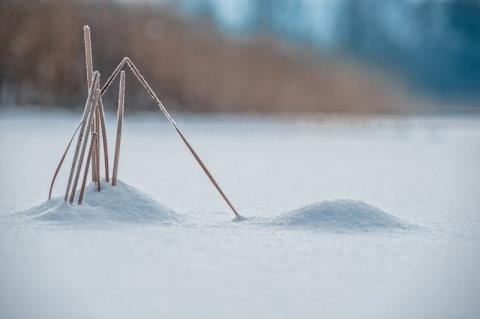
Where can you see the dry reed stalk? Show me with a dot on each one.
(164, 110)
(88, 54)
(96, 150)
(114, 75)
(104, 139)
(61, 160)
(121, 102)
(84, 145)
(92, 130)
(97, 144)
(87, 166)
(86, 114)
(89, 67)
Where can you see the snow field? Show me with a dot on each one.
(412, 248)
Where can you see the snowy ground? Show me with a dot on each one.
(405, 242)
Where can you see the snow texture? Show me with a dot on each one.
(341, 215)
(120, 203)
(124, 254)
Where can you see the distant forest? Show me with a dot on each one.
(191, 65)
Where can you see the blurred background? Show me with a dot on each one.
(248, 56)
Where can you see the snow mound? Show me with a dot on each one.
(120, 203)
(341, 215)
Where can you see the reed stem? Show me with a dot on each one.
(104, 139)
(86, 114)
(88, 54)
(114, 75)
(97, 144)
(87, 166)
(164, 110)
(82, 154)
(121, 102)
(94, 162)
(61, 161)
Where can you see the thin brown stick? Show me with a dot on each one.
(77, 147)
(86, 114)
(94, 155)
(164, 110)
(82, 154)
(113, 76)
(104, 139)
(97, 145)
(89, 67)
(88, 54)
(96, 150)
(80, 162)
(61, 160)
(87, 166)
(121, 102)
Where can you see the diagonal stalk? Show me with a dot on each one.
(113, 76)
(164, 110)
(62, 159)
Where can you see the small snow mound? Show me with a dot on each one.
(120, 203)
(341, 215)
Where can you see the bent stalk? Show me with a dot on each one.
(164, 110)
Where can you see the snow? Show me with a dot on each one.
(391, 228)
(341, 215)
(120, 203)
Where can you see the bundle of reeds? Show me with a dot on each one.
(92, 126)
